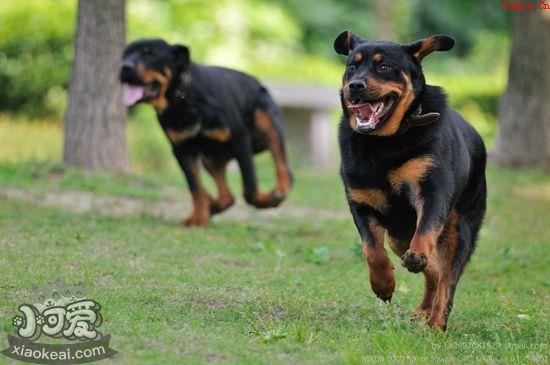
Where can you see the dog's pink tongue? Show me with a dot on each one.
(366, 110)
(132, 94)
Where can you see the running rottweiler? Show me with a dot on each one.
(212, 114)
(413, 169)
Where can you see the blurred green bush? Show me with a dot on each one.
(35, 55)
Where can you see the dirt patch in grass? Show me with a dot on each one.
(116, 206)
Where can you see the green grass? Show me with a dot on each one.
(278, 290)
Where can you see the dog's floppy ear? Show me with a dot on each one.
(346, 42)
(181, 54)
(424, 47)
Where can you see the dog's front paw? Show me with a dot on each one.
(277, 197)
(382, 282)
(437, 322)
(384, 291)
(414, 262)
(194, 220)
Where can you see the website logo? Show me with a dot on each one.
(59, 312)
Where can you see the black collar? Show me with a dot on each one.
(182, 85)
(417, 119)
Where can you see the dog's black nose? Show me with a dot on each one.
(357, 85)
(127, 73)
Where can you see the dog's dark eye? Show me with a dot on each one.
(383, 68)
(352, 68)
(146, 51)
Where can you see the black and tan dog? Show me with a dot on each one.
(413, 169)
(211, 114)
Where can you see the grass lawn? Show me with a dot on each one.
(283, 288)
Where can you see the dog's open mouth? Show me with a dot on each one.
(133, 94)
(371, 114)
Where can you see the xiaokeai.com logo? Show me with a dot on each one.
(59, 312)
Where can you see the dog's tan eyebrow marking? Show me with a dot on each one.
(358, 57)
(377, 57)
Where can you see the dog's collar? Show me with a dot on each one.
(418, 119)
(184, 81)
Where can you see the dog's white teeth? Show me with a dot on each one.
(369, 122)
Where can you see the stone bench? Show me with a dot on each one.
(310, 121)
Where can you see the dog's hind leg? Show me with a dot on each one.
(216, 168)
(440, 272)
(431, 278)
(243, 152)
(463, 231)
(454, 249)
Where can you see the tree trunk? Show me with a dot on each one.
(384, 20)
(524, 110)
(95, 134)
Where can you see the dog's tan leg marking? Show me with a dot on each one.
(200, 215)
(446, 250)
(225, 197)
(380, 267)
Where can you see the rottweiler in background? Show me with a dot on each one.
(211, 114)
(413, 169)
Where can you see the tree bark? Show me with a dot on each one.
(524, 110)
(95, 122)
(384, 20)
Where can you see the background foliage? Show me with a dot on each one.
(289, 40)
(283, 40)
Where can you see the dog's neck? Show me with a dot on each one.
(181, 86)
(417, 119)
(432, 97)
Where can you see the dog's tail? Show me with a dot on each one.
(274, 123)
(267, 104)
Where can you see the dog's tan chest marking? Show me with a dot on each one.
(178, 136)
(375, 198)
(218, 134)
(411, 172)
